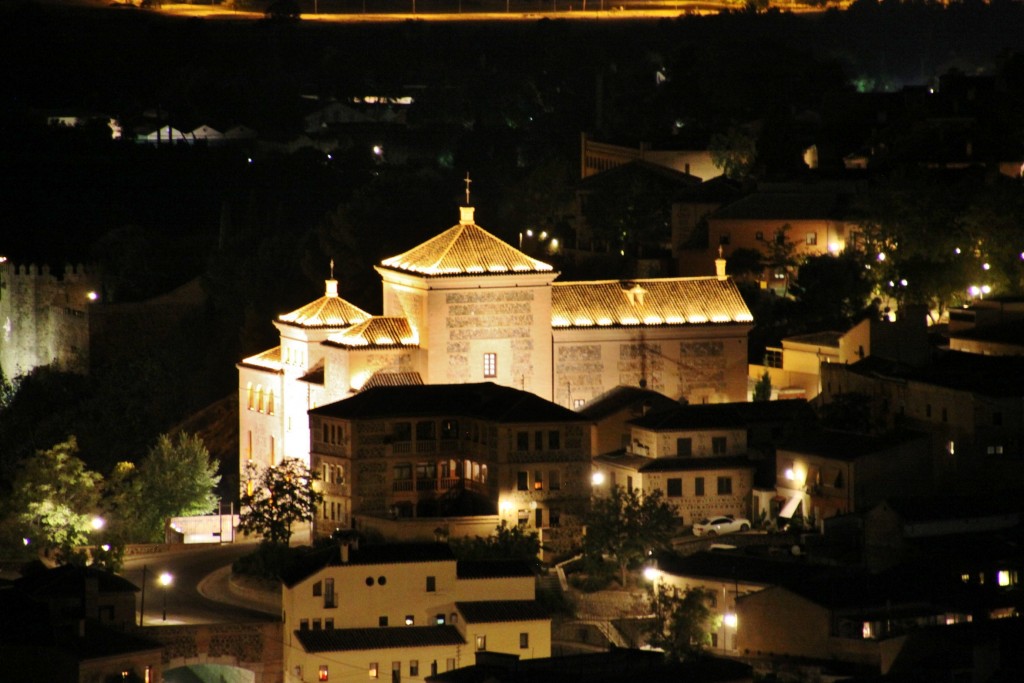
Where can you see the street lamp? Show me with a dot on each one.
(166, 579)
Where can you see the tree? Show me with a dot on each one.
(55, 499)
(275, 498)
(763, 388)
(682, 626)
(176, 478)
(832, 291)
(734, 152)
(627, 526)
(507, 543)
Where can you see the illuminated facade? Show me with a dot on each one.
(466, 307)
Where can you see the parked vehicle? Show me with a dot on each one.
(720, 525)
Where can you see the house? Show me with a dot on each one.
(970, 404)
(73, 624)
(466, 307)
(596, 157)
(726, 575)
(823, 473)
(428, 455)
(611, 412)
(405, 610)
(806, 220)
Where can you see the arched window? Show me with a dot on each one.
(248, 390)
(259, 397)
(270, 402)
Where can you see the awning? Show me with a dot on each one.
(791, 505)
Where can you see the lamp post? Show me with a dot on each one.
(142, 603)
(166, 579)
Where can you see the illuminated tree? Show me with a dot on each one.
(734, 152)
(627, 526)
(275, 498)
(176, 477)
(682, 625)
(763, 388)
(55, 499)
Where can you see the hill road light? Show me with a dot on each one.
(165, 580)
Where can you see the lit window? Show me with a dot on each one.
(490, 365)
(523, 517)
(248, 391)
(577, 403)
(259, 397)
(409, 620)
(270, 402)
(439, 619)
(323, 672)
(538, 481)
(1006, 577)
(373, 669)
(481, 643)
(812, 238)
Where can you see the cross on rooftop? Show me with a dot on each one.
(468, 181)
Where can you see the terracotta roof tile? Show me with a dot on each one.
(649, 302)
(330, 310)
(377, 331)
(465, 249)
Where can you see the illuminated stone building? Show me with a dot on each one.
(466, 307)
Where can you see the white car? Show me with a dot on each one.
(720, 525)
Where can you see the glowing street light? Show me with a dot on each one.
(166, 579)
(97, 523)
(597, 479)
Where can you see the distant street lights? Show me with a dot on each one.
(166, 579)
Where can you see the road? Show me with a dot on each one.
(185, 604)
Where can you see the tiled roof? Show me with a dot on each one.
(492, 569)
(648, 302)
(784, 205)
(393, 379)
(373, 554)
(829, 339)
(376, 332)
(846, 446)
(484, 400)
(269, 359)
(465, 249)
(784, 569)
(697, 416)
(621, 458)
(676, 464)
(343, 639)
(330, 310)
(493, 611)
(69, 580)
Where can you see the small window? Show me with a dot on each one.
(481, 643)
(381, 580)
(449, 664)
(522, 441)
(373, 670)
(318, 589)
(724, 486)
(538, 480)
(538, 441)
(811, 239)
(718, 445)
(410, 620)
(523, 517)
(675, 488)
(414, 667)
(524, 641)
(538, 518)
(490, 365)
(554, 440)
(554, 480)
(369, 580)
(453, 618)
(684, 447)
(578, 403)
(323, 673)
(431, 584)
(318, 625)
(303, 624)
(439, 619)
(382, 621)
(330, 599)
(698, 486)
(554, 517)
(522, 481)
(396, 672)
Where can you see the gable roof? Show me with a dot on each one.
(847, 446)
(654, 177)
(330, 310)
(786, 203)
(484, 400)
(647, 302)
(344, 639)
(465, 249)
(996, 376)
(374, 554)
(494, 611)
(71, 581)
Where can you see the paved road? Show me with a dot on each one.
(190, 566)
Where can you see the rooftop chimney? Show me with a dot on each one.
(720, 264)
(466, 215)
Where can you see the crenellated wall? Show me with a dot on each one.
(44, 317)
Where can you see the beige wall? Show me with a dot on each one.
(724, 602)
(777, 622)
(505, 637)
(703, 364)
(355, 665)
(692, 507)
(662, 444)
